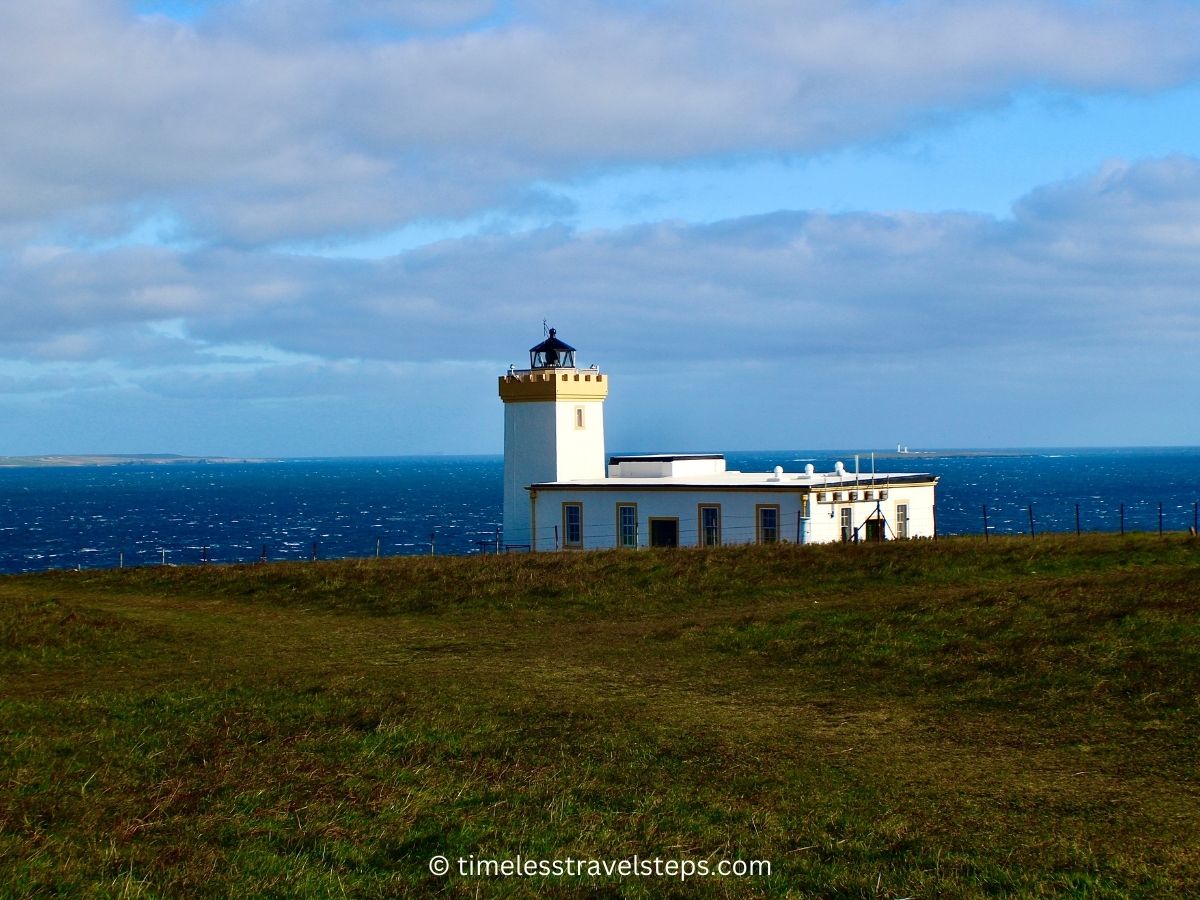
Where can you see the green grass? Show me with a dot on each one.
(1016, 718)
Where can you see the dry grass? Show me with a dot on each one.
(912, 719)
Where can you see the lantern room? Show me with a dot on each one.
(552, 354)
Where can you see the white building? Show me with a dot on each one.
(559, 493)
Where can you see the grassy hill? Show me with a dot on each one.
(916, 719)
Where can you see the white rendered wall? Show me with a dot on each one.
(541, 444)
(738, 514)
(666, 468)
(826, 528)
(600, 514)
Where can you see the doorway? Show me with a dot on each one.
(664, 532)
(874, 529)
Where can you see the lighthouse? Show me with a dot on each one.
(553, 429)
(560, 493)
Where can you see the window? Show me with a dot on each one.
(579, 417)
(901, 520)
(572, 524)
(627, 535)
(847, 523)
(768, 524)
(710, 524)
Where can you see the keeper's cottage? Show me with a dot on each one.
(561, 493)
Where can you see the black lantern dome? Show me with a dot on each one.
(551, 354)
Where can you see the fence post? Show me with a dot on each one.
(433, 543)
(314, 551)
(164, 556)
(497, 540)
(377, 540)
(1032, 528)
(935, 521)
(985, 524)
(263, 556)
(1076, 520)
(1122, 520)
(556, 537)
(121, 560)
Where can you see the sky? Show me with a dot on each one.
(325, 227)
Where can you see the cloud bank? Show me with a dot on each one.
(1081, 262)
(1086, 273)
(158, 178)
(268, 121)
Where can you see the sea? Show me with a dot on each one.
(86, 517)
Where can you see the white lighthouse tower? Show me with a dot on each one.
(553, 429)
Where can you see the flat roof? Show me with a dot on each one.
(663, 457)
(766, 481)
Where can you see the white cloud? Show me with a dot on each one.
(61, 382)
(1089, 263)
(255, 126)
(150, 170)
(289, 21)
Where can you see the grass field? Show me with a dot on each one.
(912, 719)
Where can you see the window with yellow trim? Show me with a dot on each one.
(626, 525)
(710, 524)
(768, 524)
(572, 524)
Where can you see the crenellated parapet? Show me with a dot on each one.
(541, 385)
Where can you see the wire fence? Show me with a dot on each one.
(731, 529)
(1030, 519)
(988, 520)
(1033, 519)
(327, 545)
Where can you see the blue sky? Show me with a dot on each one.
(318, 228)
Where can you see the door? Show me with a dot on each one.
(874, 529)
(664, 532)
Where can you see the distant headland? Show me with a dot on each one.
(118, 459)
(944, 454)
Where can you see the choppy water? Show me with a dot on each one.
(89, 516)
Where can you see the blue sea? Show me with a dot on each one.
(94, 517)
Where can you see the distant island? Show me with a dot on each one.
(117, 459)
(943, 454)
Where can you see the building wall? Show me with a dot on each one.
(542, 443)
(918, 499)
(739, 516)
